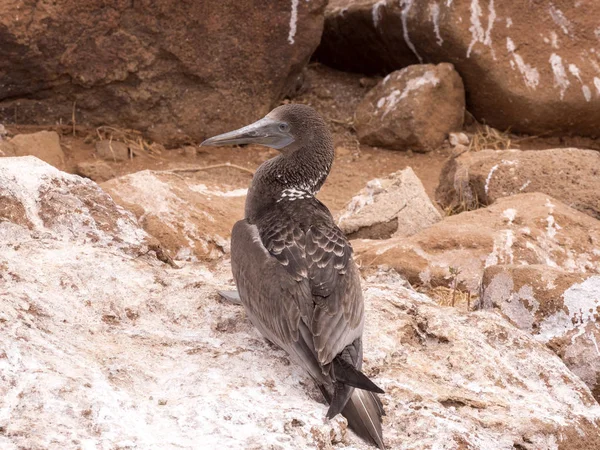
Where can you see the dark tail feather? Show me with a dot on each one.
(346, 373)
(363, 412)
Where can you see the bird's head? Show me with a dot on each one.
(286, 128)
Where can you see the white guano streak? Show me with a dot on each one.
(476, 29)
(375, 12)
(293, 21)
(560, 75)
(406, 5)
(530, 74)
(434, 10)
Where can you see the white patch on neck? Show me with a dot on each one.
(292, 194)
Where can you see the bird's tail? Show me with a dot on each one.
(363, 412)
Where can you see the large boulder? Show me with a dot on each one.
(522, 229)
(190, 220)
(413, 109)
(560, 309)
(178, 71)
(531, 67)
(44, 145)
(396, 205)
(101, 347)
(480, 178)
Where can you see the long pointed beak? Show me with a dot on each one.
(266, 131)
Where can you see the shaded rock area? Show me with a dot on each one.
(560, 309)
(170, 69)
(521, 229)
(97, 171)
(190, 220)
(480, 178)
(396, 205)
(44, 145)
(533, 68)
(414, 108)
(104, 346)
(112, 150)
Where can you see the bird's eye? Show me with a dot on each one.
(284, 127)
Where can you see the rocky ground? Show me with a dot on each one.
(466, 175)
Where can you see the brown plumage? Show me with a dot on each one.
(294, 269)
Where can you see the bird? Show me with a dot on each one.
(293, 267)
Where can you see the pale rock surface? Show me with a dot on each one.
(110, 150)
(533, 67)
(396, 205)
(479, 178)
(44, 145)
(104, 347)
(97, 171)
(414, 108)
(560, 309)
(521, 229)
(189, 219)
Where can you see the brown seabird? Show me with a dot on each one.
(293, 266)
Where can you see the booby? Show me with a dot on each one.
(293, 266)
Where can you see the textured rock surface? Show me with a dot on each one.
(531, 67)
(98, 171)
(396, 205)
(44, 145)
(112, 150)
(190, 220)
(560, 309)
(480, 178)
(522, 229)
(169, 68)
(102, 346)
(414, 108)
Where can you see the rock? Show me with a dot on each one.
(189, 151)
(396, 205)
(118, 351)
(413, 108)
(39, 202)
(560, 309)
(521, 229)
(3, 132)
(189, 219)
(112, 150)
(98, 171)
(456, 139)
(531, 79)
(480, 178)
(170, 69)
(44, 145)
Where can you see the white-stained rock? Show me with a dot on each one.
(396, 205)
(100, 349)
(189, 219)
(522, 229)
(531, 67)
(479, 178)
(44, 145)
(560, 309)
(414, 108)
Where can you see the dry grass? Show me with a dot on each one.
(133, 139)
(487, 137)
(446, 296)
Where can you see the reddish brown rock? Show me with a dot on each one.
(560, 309)
(522, 229)
(190, 220)
(412, 109)
(44, 145)
(109, 150)
(532, 67)
(179, 71)
(98, 171)
(480, 178)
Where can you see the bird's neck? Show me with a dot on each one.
(288, 178)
